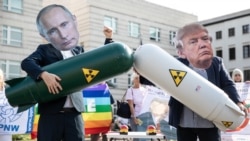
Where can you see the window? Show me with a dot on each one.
(231, 32)
(13, 5)
(246, 74)
(154, 33)
(219, 53)
(218, 35)
(12, 36)
(172, 35)
(129, 81)
(231, 53)
(134, 29)
(245, 29)
(231, 73)
(12, 69)
(112, 82)
(111, 22)
(246, 51)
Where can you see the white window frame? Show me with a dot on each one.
(111, 22)
(8, 34)
(246, 51)
(172, 35)
(10, 67)
(246, 29)
(13, 5)
(113, 80)
(154, 34)
(134, 29)
(130, 83)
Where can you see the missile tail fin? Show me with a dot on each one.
(23, 108)
(235, 109)
(220, 126)
(14, 81)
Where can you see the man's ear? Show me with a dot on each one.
(42, 35)
(179, 46)
(181, 54)
(74, 19)
(46, 38)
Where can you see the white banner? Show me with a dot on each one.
(155, 112)
(12, 122)
(243, 90)
(244, 134)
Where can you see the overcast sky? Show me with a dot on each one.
(206, 9)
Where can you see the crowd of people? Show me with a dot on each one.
(61, 119)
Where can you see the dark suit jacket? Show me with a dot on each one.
(217, 74)
(44, 55)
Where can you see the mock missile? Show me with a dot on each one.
(188, 87)
(77, 73)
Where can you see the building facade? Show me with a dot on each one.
(133, 21)
(231, 40)
(18, 34)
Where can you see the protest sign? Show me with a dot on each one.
(243, 134)
(12, 122)
(155, 112)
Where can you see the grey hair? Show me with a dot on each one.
(187, 30)
(133, 76)
(46, 9)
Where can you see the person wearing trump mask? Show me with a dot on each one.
(194, 49)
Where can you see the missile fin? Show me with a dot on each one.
(14, 81)
(24, 107)
(235, 110)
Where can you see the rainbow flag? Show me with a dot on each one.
(98, 112)
(33, 133)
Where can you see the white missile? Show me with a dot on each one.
(188, 87)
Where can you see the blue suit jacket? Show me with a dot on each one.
(218, 75)
(44, 55)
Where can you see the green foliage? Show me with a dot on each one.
(21, 137)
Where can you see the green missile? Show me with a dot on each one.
(77, 73)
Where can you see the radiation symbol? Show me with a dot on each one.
(227, 123)
(90, 74)
(177, 76)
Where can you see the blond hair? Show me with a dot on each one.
(187, 30)
(133, 76)
(2, 83)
